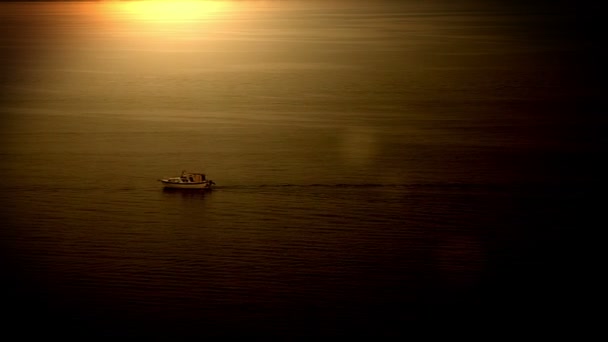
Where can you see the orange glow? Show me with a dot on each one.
(169, 11)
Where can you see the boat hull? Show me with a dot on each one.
(173, 185)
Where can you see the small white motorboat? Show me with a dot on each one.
(188, 180)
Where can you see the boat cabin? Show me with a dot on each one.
(188, 177)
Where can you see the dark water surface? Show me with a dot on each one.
(377, 166)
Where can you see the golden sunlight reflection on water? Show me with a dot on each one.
(168, 11)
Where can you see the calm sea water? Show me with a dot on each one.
(377, 165)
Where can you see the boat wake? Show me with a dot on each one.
(354, 185)
(414, 185)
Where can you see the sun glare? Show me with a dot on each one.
(170, 11)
